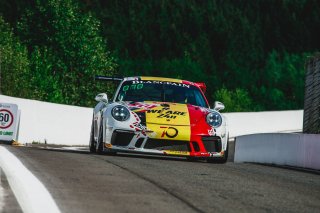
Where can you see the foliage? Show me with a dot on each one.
(284, 87)
(66, 52)
(237, 100)
(250, 50)
(14, 63)
(43, 84)
(229, 43)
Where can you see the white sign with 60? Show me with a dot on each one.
(9, 122)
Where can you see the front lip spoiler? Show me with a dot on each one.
(159, 153)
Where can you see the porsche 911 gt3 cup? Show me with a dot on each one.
(163, 116)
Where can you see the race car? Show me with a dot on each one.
(164, 116)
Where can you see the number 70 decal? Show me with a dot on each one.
(169, 131)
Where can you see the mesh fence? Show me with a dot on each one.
(311, 119)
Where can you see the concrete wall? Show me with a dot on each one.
(264, 122)
(54, 123)
(299, 150)
(70, 125)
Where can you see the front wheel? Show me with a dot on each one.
(99, 145)
(192, 159)
(92, 142)
(223, 159)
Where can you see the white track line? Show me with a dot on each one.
(31, 194)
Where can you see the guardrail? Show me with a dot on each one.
(245, 123)
(43, 122)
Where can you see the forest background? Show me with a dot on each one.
(250, 53)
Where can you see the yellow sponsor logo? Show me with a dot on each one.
(172, 114)
(171, 152)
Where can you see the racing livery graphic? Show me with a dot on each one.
(163, 116)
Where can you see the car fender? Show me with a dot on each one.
(111, 124)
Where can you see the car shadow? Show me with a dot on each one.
(85, 151)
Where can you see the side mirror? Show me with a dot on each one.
(218, 106)
(102, 97)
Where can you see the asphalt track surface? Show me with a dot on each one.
(83, 182)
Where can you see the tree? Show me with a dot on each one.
(235, 101)
(283, 87)
(66, 51)
(14, 63)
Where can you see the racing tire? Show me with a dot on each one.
(99, 145)
(92, 142)
(109, 152)
(192, 159)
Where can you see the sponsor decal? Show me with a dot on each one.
(132, 87)
(142, 107)
(169, 122)
(176, 113)
(137, 126)
(182, 133)
(171, 152)
(140, 128)
(170, 131)
(167, 113)
(160, 82)
(212, 131)
(212, 154)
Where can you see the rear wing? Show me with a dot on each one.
(202, 86)
(107, 78)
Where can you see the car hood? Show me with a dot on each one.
(168, 113)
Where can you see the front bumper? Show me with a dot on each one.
(199, 145)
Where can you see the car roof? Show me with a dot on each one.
(150, 78)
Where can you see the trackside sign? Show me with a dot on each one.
(9, 122)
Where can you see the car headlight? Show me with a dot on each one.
(214, 119)
(120, 113)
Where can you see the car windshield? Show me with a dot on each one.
(162, 91)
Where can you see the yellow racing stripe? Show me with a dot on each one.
(169, 123)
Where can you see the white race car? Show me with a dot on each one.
(163, 116)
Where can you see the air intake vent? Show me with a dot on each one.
(167, 145)
(212, 144)
(121, 138)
